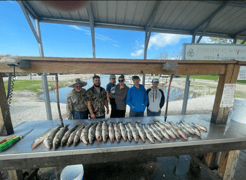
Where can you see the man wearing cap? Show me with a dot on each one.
(111, 89)
(137, 98)
(156, 99)
(76, 101)
(96, 99)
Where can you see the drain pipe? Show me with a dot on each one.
(58, 102)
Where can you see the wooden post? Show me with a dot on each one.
(15, 175)
(6, 126)
(228, 163)
(211, 160)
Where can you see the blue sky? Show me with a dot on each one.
(16, 38)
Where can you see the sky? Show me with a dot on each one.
(16, 38)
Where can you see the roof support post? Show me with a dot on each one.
(92, 27)
(187, 86)
(29, 20)
(148, 29)
(44, 75)
(244, 41)
(211, 16)
(234, 41)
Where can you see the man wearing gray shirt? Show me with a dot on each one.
(120, 97)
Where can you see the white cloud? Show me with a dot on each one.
(160, 40)
(137, 53)
(205, 39)
(97, 35)
(116, 45)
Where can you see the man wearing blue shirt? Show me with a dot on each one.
(111, 89)
(137, 98)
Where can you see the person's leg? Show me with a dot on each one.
(121, 113)
(83, 115)
(133, 114)
(114, 113)
(76, 115)
(141, 114)
(158, 113)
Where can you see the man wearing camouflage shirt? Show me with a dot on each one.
(76, 101)
(96, 100)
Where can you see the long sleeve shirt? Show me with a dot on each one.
(138, 98)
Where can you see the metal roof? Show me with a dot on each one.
(225, 19)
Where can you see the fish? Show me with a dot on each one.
(169, 132)
(123, 131)
(149, 134)
(91, 134)
(117, 133)
(134, 132)
(181, 133)
(84, 134)
(129, 133)
(162, 131)
(105, 131)
(67, 134)
(38, 140)
(77, 135)
(111, 132)
(188, 127)
(183, 129)
(171, 129)
(71, 137)
(156, 130)
(59, 135)
(200, 127)
(99, 131)
(155, 134)
(49, 138)
(197, 131)
(141, 132)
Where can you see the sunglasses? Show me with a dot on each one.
(121, 80)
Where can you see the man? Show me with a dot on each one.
(156, 99)
(111, 88)
(96, 99)
(137, 98)
(120, 98)
(76, 101)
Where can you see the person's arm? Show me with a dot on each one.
(146, 99)
(129, 99)
(162, 99)
(106, 104)
(89, 105)
(107, 93)
(69, 108)
(148, 96)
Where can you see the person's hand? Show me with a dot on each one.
(133, 107)
(107, 110)
(93, 116)
(110, 95)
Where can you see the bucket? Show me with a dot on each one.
(239, 110)
(73, 172)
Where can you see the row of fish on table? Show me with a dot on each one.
(101, 131)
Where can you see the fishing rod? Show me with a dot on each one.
(171, 78)
(58, 102)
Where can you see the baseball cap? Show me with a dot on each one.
(155, 80)
(112, 76)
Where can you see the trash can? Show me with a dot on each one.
(239, 110)
(73, 172)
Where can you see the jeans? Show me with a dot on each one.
(136, 114)
(150, 113)
(79, 115)
(102, 116)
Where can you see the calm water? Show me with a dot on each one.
(175, 94)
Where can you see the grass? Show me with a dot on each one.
(211, 77)
(31, 85)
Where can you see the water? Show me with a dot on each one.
(175, 94)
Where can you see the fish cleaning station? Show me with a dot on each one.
(216, 152)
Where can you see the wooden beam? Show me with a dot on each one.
(220, 114)
(228, 163)
(205, 168)
(114, 68)
(211, 159)
(16, 175)
(6, 126)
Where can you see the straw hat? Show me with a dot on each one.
(78, 81)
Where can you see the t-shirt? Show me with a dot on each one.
(110, 86)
